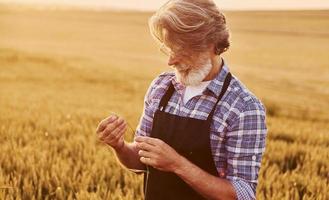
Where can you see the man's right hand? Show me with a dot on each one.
(111, 131)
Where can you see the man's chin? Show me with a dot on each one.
(191, 76)
(184, 79)
(180, 77)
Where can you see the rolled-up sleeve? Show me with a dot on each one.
(246, 137)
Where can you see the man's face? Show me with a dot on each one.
(190, 67)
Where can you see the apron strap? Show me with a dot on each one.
(171, 89)
(224, 88)
(166, 97)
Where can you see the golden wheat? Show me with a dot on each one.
(61, 72)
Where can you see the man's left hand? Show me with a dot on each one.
(158, 154)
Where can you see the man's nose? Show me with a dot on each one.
(172, 60)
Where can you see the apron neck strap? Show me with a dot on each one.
(224, 88)
(166, 97)
(171, 89)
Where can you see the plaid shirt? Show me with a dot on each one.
(238, 129)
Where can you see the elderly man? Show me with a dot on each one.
(202, 133)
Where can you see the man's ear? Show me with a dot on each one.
(217, 50)
(213, 50)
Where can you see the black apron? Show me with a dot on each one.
(190, 137)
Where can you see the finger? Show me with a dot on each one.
(147, 161)
(111, 127)
(116, 123)
(106, 121)
(110, 132)
(147, 147)
(106, 132)
(117, 134)
(146, 154)
(102, 125)
(149, 140)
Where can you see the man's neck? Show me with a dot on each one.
(216, 67)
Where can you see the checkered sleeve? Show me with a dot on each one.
(245, 146)
(145, 123)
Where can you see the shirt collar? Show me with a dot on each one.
(215, 86)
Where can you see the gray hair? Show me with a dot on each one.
(190, 24)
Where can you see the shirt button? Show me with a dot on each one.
(253, 157)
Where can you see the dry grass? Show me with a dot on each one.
(61, 72)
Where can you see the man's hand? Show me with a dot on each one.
(158, 154)
(111, 131)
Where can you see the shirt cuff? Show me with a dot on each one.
(243, 189)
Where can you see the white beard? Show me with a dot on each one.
(191, 76)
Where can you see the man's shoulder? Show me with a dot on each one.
(159, 85)
(163, 79)
(243, 98)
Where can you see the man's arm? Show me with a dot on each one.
(111, 132)
(245, 145)
(209, 186)
(128, 156)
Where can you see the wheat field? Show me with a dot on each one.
(62, 71)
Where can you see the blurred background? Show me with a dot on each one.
(65, 65)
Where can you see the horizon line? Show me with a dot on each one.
(39, 6)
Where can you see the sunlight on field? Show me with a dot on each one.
(61, 72)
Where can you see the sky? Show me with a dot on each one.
(154, 4)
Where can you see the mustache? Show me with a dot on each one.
(181, 67)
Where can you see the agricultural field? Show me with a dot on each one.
(62, 71)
